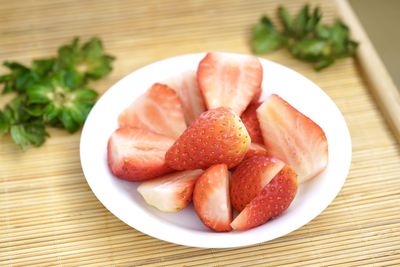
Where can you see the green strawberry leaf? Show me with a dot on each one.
(4, 123)
(311, 49)
(265, 37)
(305, 37)
(28, 134)
(19, 79)
(323, 63)
(43, 67)
(88, 61)
(285, 19)
(300, 22)
(68, 121)
(52, 91)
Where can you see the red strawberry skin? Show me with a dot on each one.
(211, 198)
(171, 192)
(250, 177)
(189, 93)
(255, 150)
(293, 137)
(158, 110)
(228, 80)
(272, 201)
(136, 154)
(217, 136)
(249, 118)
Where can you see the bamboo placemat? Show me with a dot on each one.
(49, 216)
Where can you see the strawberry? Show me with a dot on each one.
(250, 177)
(190, 95)
(158, 110)
(136, 154)
(217, 136)
(255, 150)
(293, 137)
(171, 192)
(256, 97)
(249, 118)
(228, 80)
(211, 198)
(273, 200)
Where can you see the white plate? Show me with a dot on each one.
(121, 198)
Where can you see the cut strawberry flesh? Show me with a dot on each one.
(158, 110)
(171, 192)
(189, 94)
(211, 198)
(255, 150)
(293, 137)
(136, 154)
(249, 119)
(229, 80)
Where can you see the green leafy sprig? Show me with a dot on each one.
(305, 37)
(52, 91)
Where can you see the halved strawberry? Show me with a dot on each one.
(217, 136)
(158, 110)
(192, 101)
(256, 98)
(273, 200)
(171, 192)
(136, 154)
(249, 118)
(211, 198)
(255, 150)
(250, 177)
(228, 80)
(293, 137)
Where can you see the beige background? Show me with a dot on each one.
(381, 20)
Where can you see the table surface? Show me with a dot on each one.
(48, 214)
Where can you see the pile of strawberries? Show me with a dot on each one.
(206, 137)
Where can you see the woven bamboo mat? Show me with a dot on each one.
(50, 217)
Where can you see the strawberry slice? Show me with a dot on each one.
(250, 177)
(158, 110)
(256, 97)
(171, 192)
(217, 136)
(211, 198)
(228, 80)
(255, 150)
(272, 201)
(249, 118)
(293, 137)
(190, 95)
(136, 154)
